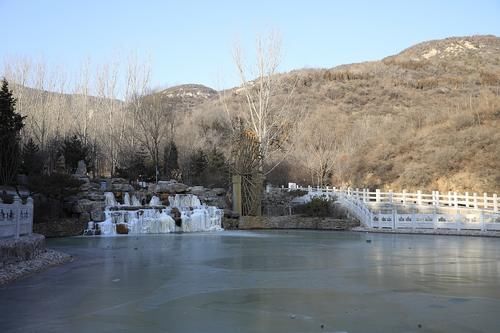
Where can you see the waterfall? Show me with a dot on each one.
(156, 219)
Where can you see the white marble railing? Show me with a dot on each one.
(404, 210)
(16, 218)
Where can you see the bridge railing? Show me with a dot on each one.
(435, 198)
(417, 210)
(16, 218)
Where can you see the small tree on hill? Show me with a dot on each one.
(11, 124)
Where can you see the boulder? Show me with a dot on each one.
(95, 196)
(85, 187)
(219, 191)
(97, 215)
(81, 169)
(118, 187)
(84, 218)
(83, 205)
(119, 181)
(121, 229)
(197, 190)
(170, 187)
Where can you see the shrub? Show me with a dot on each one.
(317, 207)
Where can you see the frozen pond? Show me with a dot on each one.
(273, 281)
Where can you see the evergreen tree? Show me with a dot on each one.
(171, 160)
(198, 165)
(32, 161)
(75, 150)
(11, 124)
(217, 170)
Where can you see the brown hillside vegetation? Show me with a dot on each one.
(426, 118)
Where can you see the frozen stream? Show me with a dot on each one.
(273, 281)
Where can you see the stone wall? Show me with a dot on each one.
(14, 250)
(294, 222)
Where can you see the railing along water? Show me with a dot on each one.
(16, 218)
(418, 210)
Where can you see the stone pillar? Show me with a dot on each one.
(237, 194)
(259, 181)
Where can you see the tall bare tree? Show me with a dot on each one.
(267, 116)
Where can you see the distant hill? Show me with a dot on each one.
(426, 118)
(187, 96)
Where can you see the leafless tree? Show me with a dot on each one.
(265, 114)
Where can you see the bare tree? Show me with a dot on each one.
(317, 146)
(154, 117)
(266, 115)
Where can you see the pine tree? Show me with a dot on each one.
(32, 162)
(171, 160)
(11, 124)
(198, 165)
(74, 150)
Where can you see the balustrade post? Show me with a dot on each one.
(419, 198)
(17, 210)
(467, 199)
(434, 219)
(394, 216)
(495, 203)
(455, 199)
(29, 203)
(475, 200)
(404, 197)
(485, 200)
(437, 199)
(357, 193)
(449, 198)
(377, 195)
(390, 197)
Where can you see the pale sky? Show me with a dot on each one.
(190, 41)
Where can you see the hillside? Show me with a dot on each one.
(425, 118)
(187, 96)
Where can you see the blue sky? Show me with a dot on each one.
(190, 41)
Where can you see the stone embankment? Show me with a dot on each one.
(26, 255)
(294, 222)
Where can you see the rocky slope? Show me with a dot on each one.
(426, 118)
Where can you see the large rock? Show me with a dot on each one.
(86, 205)
(61, 227)
(97, 215)
(119, 187)
(197, 190)
(119, 181)
(170, 187)
(84, 218)
(23, 248)
(219, 191)
(83, 205)
(95, 196)
(81, 169)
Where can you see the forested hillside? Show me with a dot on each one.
(426, 118)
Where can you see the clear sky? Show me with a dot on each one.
(190, 41)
